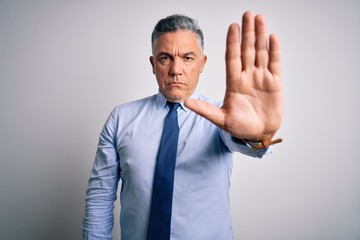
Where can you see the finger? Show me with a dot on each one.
(206, 110)
(262, 54)
(232, 55)
(248, 41)
(274, 55)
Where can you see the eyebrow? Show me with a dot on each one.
(181, 55)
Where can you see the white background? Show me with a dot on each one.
(64, 65)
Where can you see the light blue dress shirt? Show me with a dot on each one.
(127, 150)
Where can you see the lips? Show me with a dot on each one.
(176, 82)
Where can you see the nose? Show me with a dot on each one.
(176, 67)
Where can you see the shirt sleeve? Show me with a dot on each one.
(235, 145)
(101, 193)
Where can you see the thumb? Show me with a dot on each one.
(206, 110)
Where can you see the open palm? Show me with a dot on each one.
(253, 103)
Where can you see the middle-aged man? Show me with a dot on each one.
(181, 190)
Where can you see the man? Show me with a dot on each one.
(129, 143)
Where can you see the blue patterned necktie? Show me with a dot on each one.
(162, 195)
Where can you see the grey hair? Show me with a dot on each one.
(177, 22)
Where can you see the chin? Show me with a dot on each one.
(176, 94)
(175, 97)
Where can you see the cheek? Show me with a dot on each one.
(161, 75)
(193, 76)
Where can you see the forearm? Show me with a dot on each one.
(100, 197)
(101, 193)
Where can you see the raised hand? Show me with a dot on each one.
(253, 104)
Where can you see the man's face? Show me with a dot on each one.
(177, 62)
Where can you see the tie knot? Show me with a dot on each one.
(172, 105)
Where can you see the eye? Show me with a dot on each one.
(188, 58)
(164, 59)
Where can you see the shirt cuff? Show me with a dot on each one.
(237, 145)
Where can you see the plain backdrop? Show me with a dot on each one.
(64, 65)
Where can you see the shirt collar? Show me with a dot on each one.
(161, 101)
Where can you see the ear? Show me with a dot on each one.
(151, 58)
(203, 62)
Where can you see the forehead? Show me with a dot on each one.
(178, 41)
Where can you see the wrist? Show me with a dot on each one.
(263, 143)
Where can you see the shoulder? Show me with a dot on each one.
(124, 114)
(127, 111)
(134, 106)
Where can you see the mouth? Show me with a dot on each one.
(175, 83)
